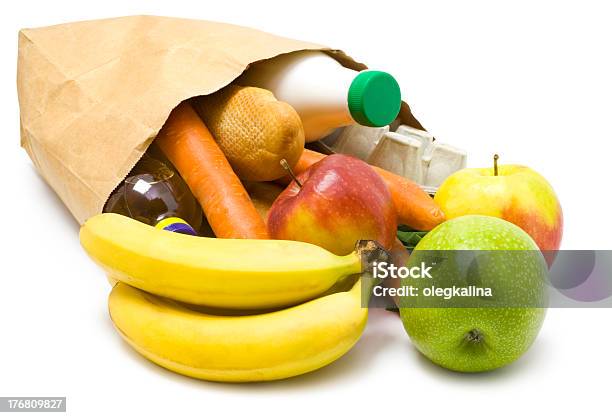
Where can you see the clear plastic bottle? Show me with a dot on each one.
(154, 193)
(325, 94)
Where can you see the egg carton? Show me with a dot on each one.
(408, 152)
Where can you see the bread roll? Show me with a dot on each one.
(254, 130)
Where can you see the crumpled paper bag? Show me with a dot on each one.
(94, 94)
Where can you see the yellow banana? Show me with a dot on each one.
(259, 347)
(224, 273)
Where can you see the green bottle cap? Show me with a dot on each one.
(374, 98)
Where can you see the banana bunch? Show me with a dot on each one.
(223, 309)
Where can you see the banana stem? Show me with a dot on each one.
(370, 252)
(367, 284)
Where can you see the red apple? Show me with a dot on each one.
(341, 200)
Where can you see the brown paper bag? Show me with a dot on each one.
(94, 94)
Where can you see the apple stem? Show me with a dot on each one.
(286, 166)
(495, 158)
(474, 336)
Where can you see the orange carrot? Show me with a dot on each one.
(414, 207)
(189, 145)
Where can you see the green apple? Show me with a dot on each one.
(474, 333)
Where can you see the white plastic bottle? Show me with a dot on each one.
(325, 94)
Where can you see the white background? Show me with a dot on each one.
(529, 80)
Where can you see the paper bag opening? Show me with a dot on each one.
(94, 94)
